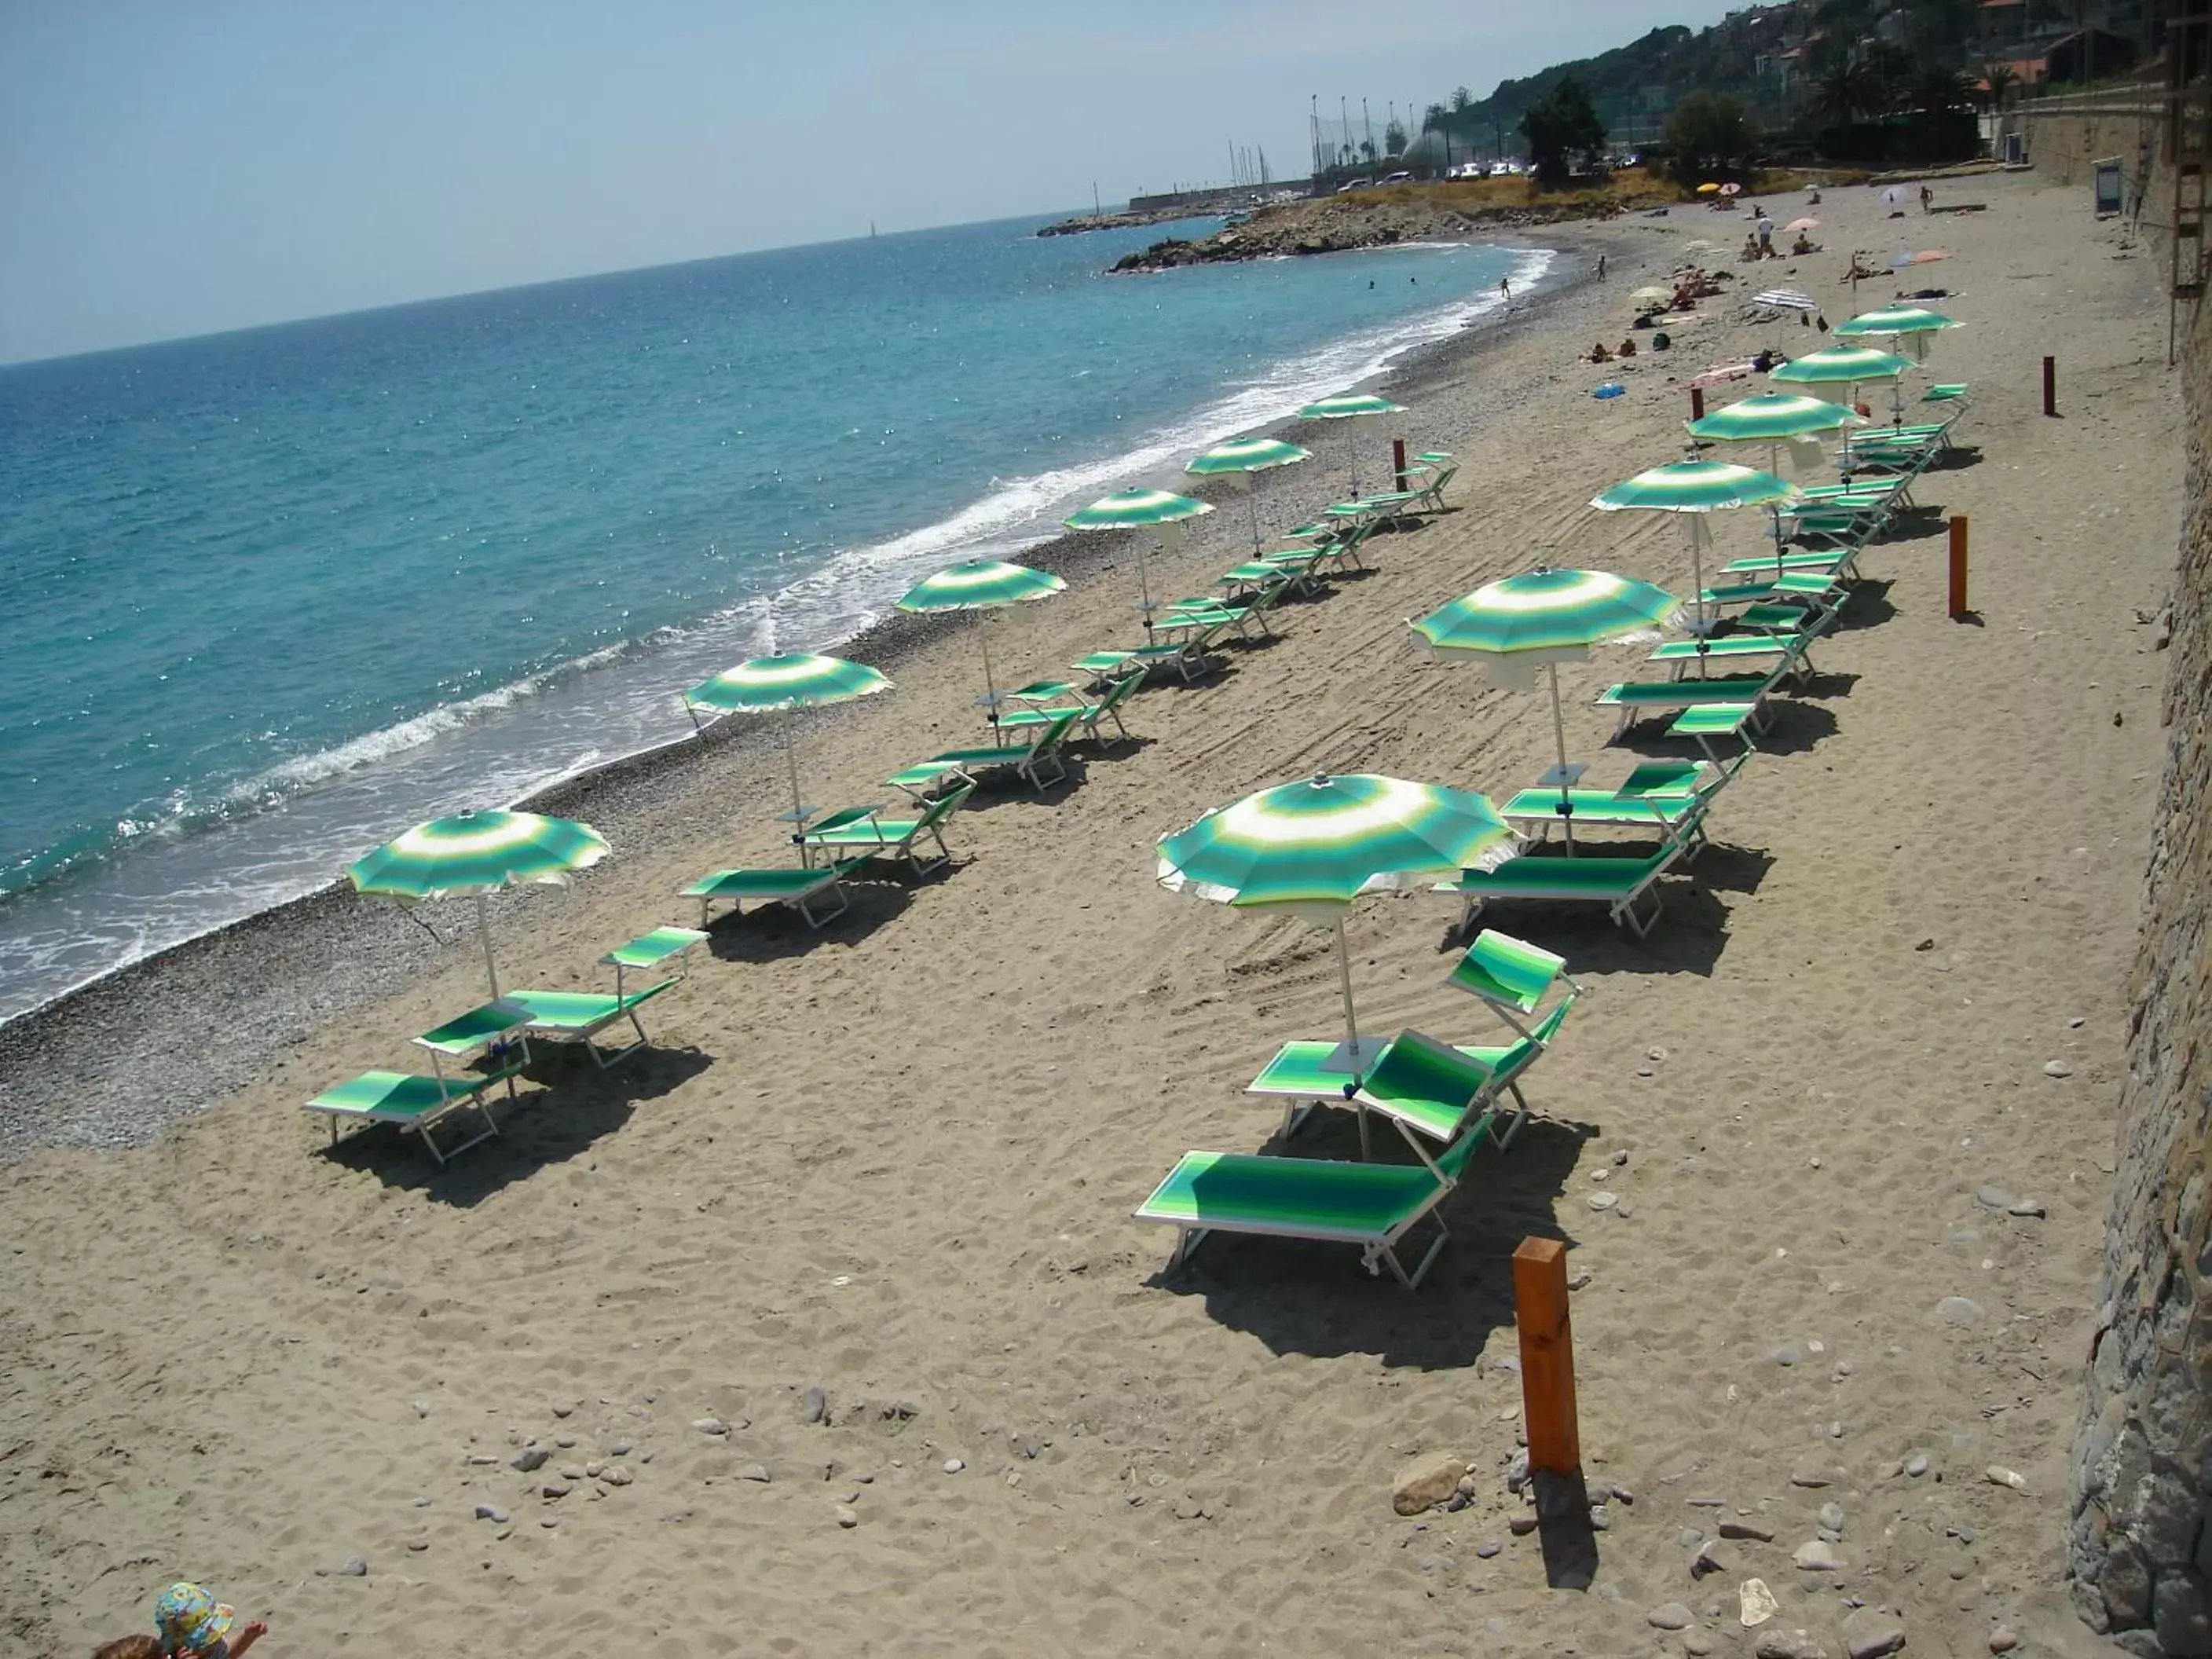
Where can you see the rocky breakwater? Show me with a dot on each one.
(1338, 224)
(2139, 1547)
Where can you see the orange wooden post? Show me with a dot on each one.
(1959, 607)
(2050, 386)
(1547, 1355)
(1697, 402)
(1398, 459)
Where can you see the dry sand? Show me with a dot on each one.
(894, 1159)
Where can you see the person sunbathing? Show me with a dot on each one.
(1804, 244)
(1627, 348)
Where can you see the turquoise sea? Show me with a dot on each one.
(273, 596)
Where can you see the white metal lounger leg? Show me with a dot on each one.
(482, 1103)
(1385, 1254)
(844, 903)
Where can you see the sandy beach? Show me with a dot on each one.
(829, 1312)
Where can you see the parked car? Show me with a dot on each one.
(1355, 184)
(1400, 177)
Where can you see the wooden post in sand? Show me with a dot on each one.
(1547, 1355)
(1697, 402)
(1398, 460)
(1959, 607)
(2051, 387)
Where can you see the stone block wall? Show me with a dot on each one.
(2139, 1547)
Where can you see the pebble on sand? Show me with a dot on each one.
(1604, 1200)
(1789, 1644)
(1744, 1529)
(1997, 1475)
(710, 1425)
(1669, 1615)
(1426, 1482)
(1868, 1634)
(1959, 1310)
(2003, 1640)
(2056, 1068)
(1817, 1555)
(1755, 1602)
(529, 1458)
(1917, 1465)
(847, 1517)
(353, 1566)
(953, 1466)
(491, 1512)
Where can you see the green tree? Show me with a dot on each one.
(1461, 100)
(1843, 92)
(2004, 84)
(1562, 129)
(1394, 139)
(1711, 137)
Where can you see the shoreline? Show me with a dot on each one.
(315, 957)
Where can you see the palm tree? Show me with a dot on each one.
(1937, 90)
(2004, 83)
(1843, 91)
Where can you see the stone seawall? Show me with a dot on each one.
(2140, 1549)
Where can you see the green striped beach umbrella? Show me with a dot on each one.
(1312, 847)
(784, 683)
(1898, 324)
(1238, 459)
(981, 586)
(1847, 366)
(1543, 618)
(1350, 406)
(474, 854)
(1695, 489)
(1138, 508)
(1773, 418)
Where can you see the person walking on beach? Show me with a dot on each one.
(1505, 287)
(1600, 267)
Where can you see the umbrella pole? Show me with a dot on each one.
(798, 802)
(1774, 509)
(1351, 1024)
(1559, 736)
(1252, 507)
(484, 932)
(1352, 455)
(990, 685)
(1697, 566)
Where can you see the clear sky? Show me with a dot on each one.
(171, 167)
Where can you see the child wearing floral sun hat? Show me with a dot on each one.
(192, 1625)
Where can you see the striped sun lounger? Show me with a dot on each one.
(1373, 1205)
(415, 1104)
